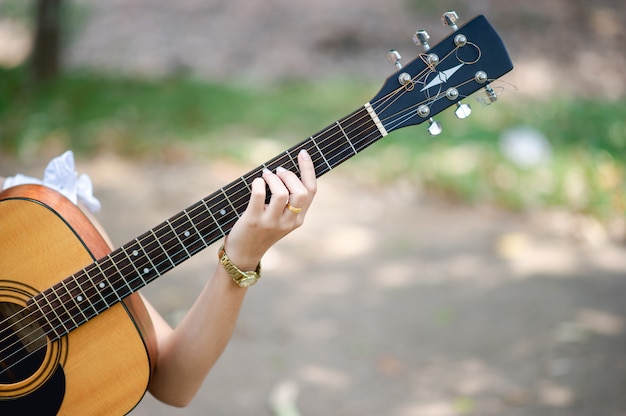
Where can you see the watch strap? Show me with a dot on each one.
(240, 277)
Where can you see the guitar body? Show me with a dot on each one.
(102, 367)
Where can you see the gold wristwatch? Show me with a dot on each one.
(241, 278)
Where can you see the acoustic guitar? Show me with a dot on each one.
(75, 338)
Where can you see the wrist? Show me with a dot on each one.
(241, 254)
(242, 276)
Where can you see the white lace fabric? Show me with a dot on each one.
(61, 175)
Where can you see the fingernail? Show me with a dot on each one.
(304, 154)
(266, 170)
(280, 169)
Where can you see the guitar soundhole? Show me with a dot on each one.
(22, 344)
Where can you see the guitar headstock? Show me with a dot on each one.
(462, 63)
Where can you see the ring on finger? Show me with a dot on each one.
(293, 209)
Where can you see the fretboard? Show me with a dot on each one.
(89, 292)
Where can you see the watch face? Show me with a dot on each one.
(247, 281)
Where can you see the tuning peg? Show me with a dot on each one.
(491, 94)
(462, 111)
(449, 19)
(434, 127)
(420, 38)
(481, 77)
(394, 57)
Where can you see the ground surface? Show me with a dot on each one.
(388, 301)
(391, 302)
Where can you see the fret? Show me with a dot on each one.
(195, 228)
(248, 186)
(120, 286)
(49, 313)
(206, 222)
(75, 302)
(337, 149)
(135, 253)
(111, 278)
(81, 296)
(346, 136)
(273, 164)
(118, 280)
(214, 219)
(165, 252)
(56, 305)
(294, 165)
(320, 152)
(147, 271)
(179, 239)
(174, 241)
(305, 145)
(107, 290)
(43, 318)
(224, 213)
(363, 133)
(240, 190)
(84, 279)
(234, 210)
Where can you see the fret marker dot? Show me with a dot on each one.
(223, 211)
(135, 253)
(79, 298)
(146, 270)
(101, 285)
(187, 233)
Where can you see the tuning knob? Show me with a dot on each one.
(491, 94)
(394, 57)
(449, 19)
(420, 38)
(462, 111)
(434, 127)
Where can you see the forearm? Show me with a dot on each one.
(187, 353)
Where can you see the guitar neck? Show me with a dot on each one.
(462, 63)
(97, 287)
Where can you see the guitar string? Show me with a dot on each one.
(110, 256)
(423, 57)
(177, 237)
(315, 160)
(210, 203)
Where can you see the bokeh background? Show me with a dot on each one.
(480, 272)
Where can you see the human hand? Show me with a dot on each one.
(262, 225)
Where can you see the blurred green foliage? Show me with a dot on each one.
(586, 170)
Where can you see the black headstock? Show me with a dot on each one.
(462, 63)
